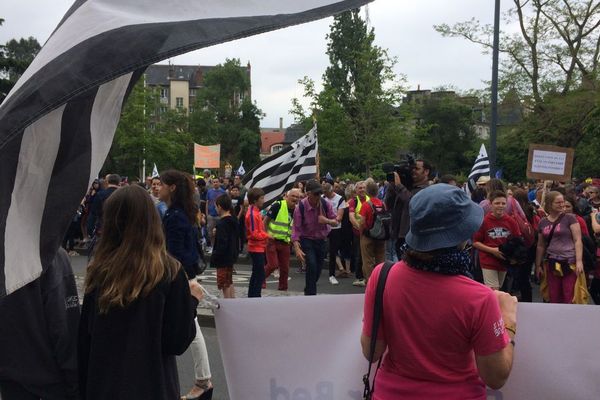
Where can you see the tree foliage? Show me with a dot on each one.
(356, 111)
(444, 134)
(552, 64)
(15, 57)
(224, 114)
(148, 131)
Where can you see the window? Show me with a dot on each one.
(276, 148)
(163, 110)
(192, 92)
(179, 102)
(164, 93)
(191, 109)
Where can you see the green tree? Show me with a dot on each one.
(552, 63)
(148, 131)
(358, 122)
(225, 114)
(15, 57)
(444, 134)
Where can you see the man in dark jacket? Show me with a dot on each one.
(38, 336)
(398, 197)
(113, 181)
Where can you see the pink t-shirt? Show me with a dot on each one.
(433, 324)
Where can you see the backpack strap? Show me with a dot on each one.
(377, 311)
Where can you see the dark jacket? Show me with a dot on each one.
(225, 250)
(182, 239)
(397, 198)
(129, 353)
(98, 204)
(38, 330)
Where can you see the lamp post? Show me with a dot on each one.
(494, 102)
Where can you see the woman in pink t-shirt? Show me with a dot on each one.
(446, 336)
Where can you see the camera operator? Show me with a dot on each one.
(398, 196)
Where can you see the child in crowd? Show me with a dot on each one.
(257, 240)
(225, 249)
(496, 229)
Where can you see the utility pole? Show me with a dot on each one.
(494, 103)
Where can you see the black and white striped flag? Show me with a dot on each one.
(480, 168)
(58, 122)
(278, 173)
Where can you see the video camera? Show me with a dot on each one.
(403, 168)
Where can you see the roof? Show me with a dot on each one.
(161, 74)
(270, 137)
(293, 133)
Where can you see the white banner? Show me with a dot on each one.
(308, 348)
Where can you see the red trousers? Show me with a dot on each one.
(278, 256)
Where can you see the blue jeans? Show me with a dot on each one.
(258, 274)
(315, 252)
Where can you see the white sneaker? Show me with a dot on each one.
(359, 282)
(276, 274)
(333, 281)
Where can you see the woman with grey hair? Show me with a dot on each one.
(461, 333)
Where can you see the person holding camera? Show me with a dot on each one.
(398, 197)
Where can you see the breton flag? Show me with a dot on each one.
(278, 173)
(155, 173)
(480, 168)
(57, 123)
(241, 171)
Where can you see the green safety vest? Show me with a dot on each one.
(281, 227)
(359, 206)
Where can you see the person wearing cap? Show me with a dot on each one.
(461, 333)
(313, 219)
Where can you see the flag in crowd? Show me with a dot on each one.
(480, 168)
(278, 173)
(241, 170)
(58, 122)
(155, 173)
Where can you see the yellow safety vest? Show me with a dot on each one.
(281, 227)
(359, 206)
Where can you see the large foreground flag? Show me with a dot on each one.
(58, 122)
(278, 173)
(480, 168)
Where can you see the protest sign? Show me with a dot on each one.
(292, 348)
(207, 156)
(550, 162)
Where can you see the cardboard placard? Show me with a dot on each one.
(550, 162)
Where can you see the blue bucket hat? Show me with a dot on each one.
(442, 216)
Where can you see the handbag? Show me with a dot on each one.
(377, 311)
(525, 227)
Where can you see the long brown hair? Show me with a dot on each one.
(183, 196)
(131, 257)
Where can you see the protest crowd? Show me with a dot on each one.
(150, 242)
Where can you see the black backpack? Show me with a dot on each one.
(380, 230)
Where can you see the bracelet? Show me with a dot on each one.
(510, 329)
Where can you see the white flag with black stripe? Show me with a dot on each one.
(57, 123)
(480, 168)
(278, 173)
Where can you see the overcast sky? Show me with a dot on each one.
(280, 58)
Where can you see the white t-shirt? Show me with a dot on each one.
(337, 203)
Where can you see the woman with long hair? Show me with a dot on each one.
(137, 311)
(559, 255)
(461, 334)
(181, 234)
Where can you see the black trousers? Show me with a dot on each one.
(13, 391)
(595, 290)
(356, 260)
(335, 242)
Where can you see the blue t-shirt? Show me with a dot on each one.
(211, 196)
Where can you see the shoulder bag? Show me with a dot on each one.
(377, 311)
